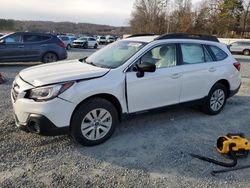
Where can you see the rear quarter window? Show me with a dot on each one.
(218, 53)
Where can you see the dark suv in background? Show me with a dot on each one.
(27, 46)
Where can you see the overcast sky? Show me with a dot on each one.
(109, 12)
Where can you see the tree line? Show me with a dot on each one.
(8, 25)
(224, 18)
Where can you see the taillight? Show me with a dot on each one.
(61, 44)
(237, 65)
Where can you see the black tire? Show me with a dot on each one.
(246, 52)
(49, 57)
(208, 107)
(81, 114)
(95, 47)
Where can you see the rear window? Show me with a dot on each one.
(218, 53)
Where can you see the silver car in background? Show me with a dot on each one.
(242, 47)
(66, 40)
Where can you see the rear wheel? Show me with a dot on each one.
(246, 52)
(216, 100)
(94, 122)
(49, 57)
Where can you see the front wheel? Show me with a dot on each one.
(94, 122)
(216, 100)
(246, 52)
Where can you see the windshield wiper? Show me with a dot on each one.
(91, 63)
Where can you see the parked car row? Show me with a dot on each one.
(44, 47)
(86, 41)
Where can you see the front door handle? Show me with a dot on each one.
(212, 69)
(176, 76)
(20, 46)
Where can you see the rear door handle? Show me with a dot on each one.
(20, 46)
(176, 76)
(43, 45)
(212, 69)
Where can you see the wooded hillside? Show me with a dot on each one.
(59, 27)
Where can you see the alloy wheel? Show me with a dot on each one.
(96, 124)
(217, 100)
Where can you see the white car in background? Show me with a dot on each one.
(85, 42)
(110, 39)
(101, 40)
(242, 47)
(88, 97)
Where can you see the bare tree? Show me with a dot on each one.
(245, 17)
(149, 16)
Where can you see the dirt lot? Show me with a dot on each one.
(149, 150)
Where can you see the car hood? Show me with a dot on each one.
(61, 72)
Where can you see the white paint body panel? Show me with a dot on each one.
(153, 90)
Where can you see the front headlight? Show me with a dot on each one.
(48, 92)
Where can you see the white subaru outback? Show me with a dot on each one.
(88, 97)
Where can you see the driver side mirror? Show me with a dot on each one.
(2, 41)
(145, 67)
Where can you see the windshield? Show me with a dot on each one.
(115, 55)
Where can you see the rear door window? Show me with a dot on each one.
(31, 38)
(194, 54)
(44, 38)
(218, 53)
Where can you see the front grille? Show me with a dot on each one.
(78, 42)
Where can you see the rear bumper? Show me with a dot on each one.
(63, 55)
(41, 125)
(234, 92)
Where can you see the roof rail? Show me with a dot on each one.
(141, 35)
(188, 36)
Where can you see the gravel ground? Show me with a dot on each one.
(148, 150)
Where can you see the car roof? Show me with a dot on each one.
(146, 39)
(173, 37)
(32, 33)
